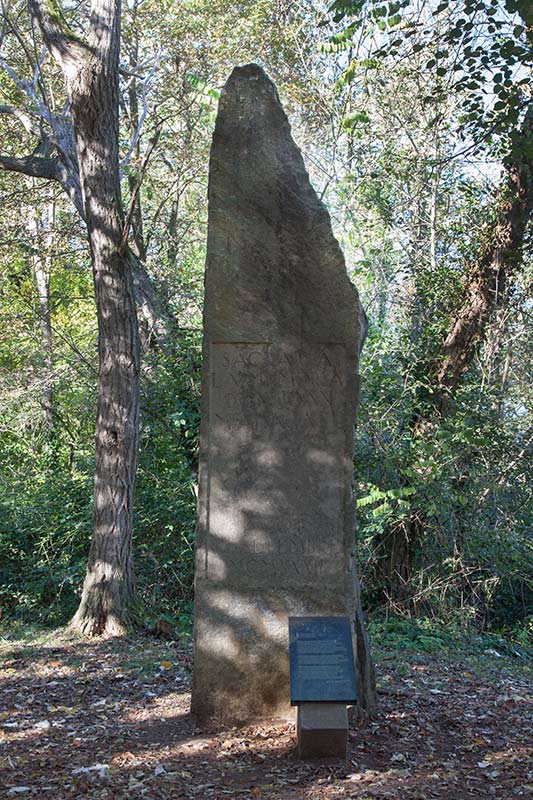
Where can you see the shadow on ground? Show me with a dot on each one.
(111, 720)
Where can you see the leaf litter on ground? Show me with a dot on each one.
(110, 719)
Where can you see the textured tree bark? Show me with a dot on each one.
(92, 71)
(499, 257)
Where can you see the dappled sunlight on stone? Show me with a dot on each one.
(320, 457)
(279, 392)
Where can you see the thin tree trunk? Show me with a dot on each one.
(499, 257)
(41, 264)
(395, 550)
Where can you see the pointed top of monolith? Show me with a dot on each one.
(248, 73)
(271, 248)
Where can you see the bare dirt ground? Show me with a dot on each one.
(111, 720)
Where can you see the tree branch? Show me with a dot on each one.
(34, 166)
(68, 50)
(23, 117)
(136, 189)
(144, 88)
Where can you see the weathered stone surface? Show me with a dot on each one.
(279, 389)
(322, 730)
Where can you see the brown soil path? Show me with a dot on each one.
(110, 720)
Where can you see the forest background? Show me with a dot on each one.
(414, 119)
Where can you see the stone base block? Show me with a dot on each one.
(322, 730)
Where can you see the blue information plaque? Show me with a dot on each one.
(321, 660)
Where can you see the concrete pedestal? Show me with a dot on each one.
(322, 730)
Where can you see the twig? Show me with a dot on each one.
(136, 188)
(144, 88)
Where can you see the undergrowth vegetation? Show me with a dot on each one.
(413, 162)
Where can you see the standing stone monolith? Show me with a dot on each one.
(275, 529)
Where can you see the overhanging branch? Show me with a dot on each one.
(34, 166)
(23, 117)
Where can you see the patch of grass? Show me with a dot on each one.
(403, 642)
(25, 636)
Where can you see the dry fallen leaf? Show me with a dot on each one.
(398, 757)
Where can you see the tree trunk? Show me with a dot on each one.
(499, 256)
(395, 550)
(91, 73)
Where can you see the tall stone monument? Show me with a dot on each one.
(275, 527)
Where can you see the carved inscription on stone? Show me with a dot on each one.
(275, 412)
